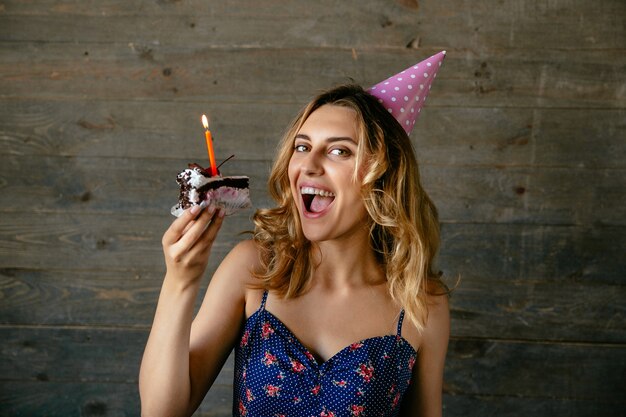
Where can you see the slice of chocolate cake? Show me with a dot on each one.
(198, 187)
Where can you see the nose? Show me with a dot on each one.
(312, 164)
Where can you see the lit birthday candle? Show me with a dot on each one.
(209, 145)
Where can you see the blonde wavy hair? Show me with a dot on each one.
(404, 229)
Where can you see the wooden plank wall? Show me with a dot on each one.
(521, 146)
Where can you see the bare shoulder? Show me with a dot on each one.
(228, 290)
(247, 251)
(437, 328)
(242, 261)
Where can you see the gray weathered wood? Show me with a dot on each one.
(521, 146)
(121, 400)
(92, 399)
(43, 398)
(78, 354)
(518, 251)
(527, 24)
(511, 78)
(583, 310)
(564, 310)
(582, 371)
(109, 185)
(475, 366)
(487, 251)
(476, 194)
(512, 406)
(451, 136)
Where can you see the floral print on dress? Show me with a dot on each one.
(411, 362)
(266, 330)
(276, 375)
(296, 366)
(269, 359)
(356, 410)
(242, 409)
(342, 383)
(244, 338)
(249, 395)
(396, 400)
(356, 346)
(366, 371)
(272, 390)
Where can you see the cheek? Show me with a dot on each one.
(353, 192)
(292, 171)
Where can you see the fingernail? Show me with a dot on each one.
(222, 213)
(194, 209)
(211, 209)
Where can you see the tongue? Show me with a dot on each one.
(319, 203)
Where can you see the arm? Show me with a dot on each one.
(169, 379)
(217, 325)
(424, 395)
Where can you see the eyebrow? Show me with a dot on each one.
(328, 139)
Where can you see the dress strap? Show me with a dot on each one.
(262, 307)
(400, 320)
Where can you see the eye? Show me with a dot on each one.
(300, 147)
(340, 152)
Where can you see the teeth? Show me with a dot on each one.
(315, 191)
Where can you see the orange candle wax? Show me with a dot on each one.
(209, 145)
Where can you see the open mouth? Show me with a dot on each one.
(316, 200)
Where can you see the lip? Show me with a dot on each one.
(307, 214)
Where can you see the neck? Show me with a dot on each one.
(341, 265)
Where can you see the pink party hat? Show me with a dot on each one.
(404, 94)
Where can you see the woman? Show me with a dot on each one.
(316, 302)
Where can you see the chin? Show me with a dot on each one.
(315, 234)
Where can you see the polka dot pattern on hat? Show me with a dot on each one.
(399, 94)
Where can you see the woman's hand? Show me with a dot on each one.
(187, 243)
(181, 360)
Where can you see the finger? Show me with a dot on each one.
(191, 223)
(197, 229)
(179, 226)
(214, 227)
(205, 242)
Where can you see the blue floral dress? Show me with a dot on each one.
(276, 375)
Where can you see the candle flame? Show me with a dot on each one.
(205, 122)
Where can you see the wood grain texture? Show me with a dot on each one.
(82, 354)
(121, 400)
(485, 405)
(568, 310)
(92, 399)
(487, 251)
(584, 372)
(521, 146)
(564, 138)
(475, 366)
(572, 311)
(110, 185)
(556, 196)
(510, 78)
(43, 398)
(375, 23)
